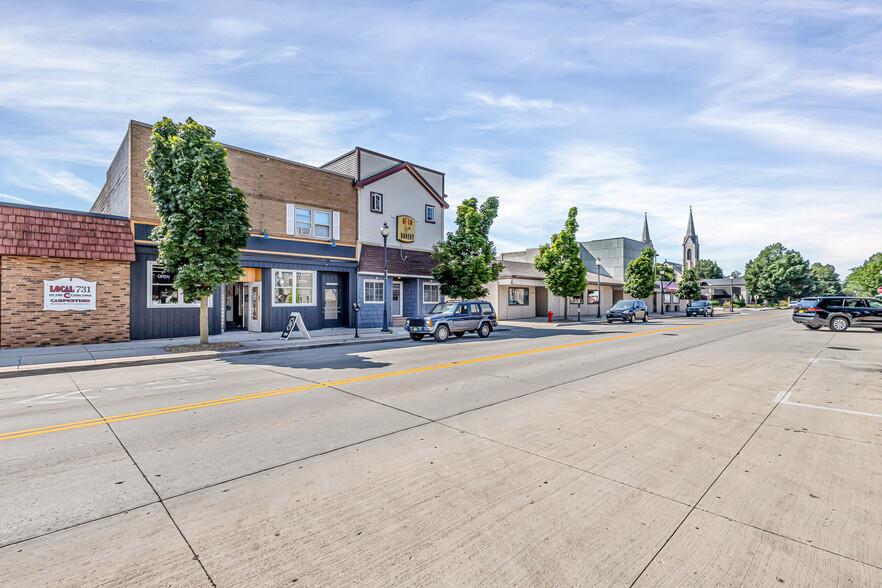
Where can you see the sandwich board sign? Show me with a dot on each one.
(295, 320)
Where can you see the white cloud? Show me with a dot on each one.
(235, 27)
(510, 101)
(8, 198)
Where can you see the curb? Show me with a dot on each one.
(101, 364)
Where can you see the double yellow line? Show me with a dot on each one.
(232, 399)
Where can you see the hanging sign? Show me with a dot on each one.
(69, 294)
(406, 229)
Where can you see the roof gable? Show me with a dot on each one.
(404, 166)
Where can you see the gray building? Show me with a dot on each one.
(615, 253)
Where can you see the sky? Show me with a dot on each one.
(764, 115)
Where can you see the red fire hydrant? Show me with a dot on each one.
(550, 314)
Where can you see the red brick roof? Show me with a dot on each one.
(41, 232)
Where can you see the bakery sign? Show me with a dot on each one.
(406, 232)
(68, 294)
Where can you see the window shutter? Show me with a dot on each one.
(336, 227)
(290, 223)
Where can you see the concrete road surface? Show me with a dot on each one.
(724, 451)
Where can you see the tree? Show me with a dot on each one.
(689, 288)
(707, 269)
(866, 278)
(777, 273)
(823, 280)
(639, 281)
(665, 273)
(465, 259)
(203, 219)
(565, 274)
(735, 275)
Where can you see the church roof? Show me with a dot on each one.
(645, 237)
(690, 227)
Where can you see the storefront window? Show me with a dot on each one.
(162, 292)
(373, 291)
(293, 288)
(518, 296)
(431, 293)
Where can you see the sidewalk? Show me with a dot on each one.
(45, 360)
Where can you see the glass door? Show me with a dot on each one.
(254, 306)
(331, 307)
(397, 308)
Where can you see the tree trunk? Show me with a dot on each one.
(566, 306)
(203, 320)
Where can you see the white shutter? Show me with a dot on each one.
(290, 224)
(336, 227)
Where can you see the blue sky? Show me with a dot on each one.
(765, 116)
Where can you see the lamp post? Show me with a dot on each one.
(654, 277)
(385, 232)
(663, 289)
(731, 293)
(598, 287)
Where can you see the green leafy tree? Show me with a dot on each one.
(777, 273)
(735, 275)
(865, 279)
(823, 280)
(639, 281)
(565, 273)
(707, 269)
(689, 288)
(465, 259)
(203, 218)
(665, 273)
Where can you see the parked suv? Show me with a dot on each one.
(458, 318)
(700, 307)
(838, 313)
(627, 311)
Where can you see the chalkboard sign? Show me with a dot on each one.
(295, 320)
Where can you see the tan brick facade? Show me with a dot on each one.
(26, 324)
(268, 183)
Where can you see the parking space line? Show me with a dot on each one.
(830, 408)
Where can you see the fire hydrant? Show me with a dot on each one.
(550, 314)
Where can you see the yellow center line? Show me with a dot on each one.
(334, 383)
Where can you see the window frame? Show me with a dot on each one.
(436, 285)
(378, 209)
(428, 208)
(294, 272)
(150, 304)
(313, 212)
(526, 301)
(382, 291)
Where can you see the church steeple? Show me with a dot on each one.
(645, 238)
(690, 244)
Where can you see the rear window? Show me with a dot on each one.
(486, 308)
(807, 302)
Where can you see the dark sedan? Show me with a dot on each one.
(838, 313)
(627, 311)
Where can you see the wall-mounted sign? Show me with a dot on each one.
(69, 294)
(406, 229)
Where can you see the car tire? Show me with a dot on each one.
(839, 324)
(416, 336)
(712, 313)
(645, 317)
(442, 333)
(877, 328)
(609, 321)
(459, 334)
(484, 330)
(814, 327)
(631, 319)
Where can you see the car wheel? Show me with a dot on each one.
(609, 321)
(416, 336)
(814, 327)
(839, 324)
(484, 331)
(459, 334)
(631, 319)
(442, 333)
(645, 317)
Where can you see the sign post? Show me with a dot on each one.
(295, 320)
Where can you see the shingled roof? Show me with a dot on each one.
(49, 232)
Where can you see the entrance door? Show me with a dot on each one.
(254, 306)
(397, 302)
(331, 307)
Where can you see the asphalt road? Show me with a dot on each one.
(718, 451)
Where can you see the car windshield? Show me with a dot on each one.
(698, 303)
(623, 304)
(444, 307)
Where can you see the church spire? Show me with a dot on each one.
(646, 238)
(690, 227)
(690, 244)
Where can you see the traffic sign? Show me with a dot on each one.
(879, 289)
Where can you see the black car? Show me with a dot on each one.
(457, 318)
(627, 311)
(700, 307)
(838, 313)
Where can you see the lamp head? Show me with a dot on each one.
(384, 230)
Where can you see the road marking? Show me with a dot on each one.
(783, 394)
(56, 398)
(208, 403)
(857, 412)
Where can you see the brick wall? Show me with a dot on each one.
(268, 184)
(26, 324)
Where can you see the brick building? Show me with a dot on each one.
(64, 277)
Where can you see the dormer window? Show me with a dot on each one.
(430, 214)
(376, 202)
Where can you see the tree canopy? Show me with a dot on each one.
(203, 218)
(777, 273)
(665, 273)
(565, 273)
(823, 280)
(465, 259)
(639, 281)
(865, 279)
(689, 287)
(707, 269)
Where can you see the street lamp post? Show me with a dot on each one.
(663, 290)
(385, 232)
(598, 287)
(654, 277)
(731, 293)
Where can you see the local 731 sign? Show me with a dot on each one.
(68, 294)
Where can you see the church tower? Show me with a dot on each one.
(690, 245)
(645, 238)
